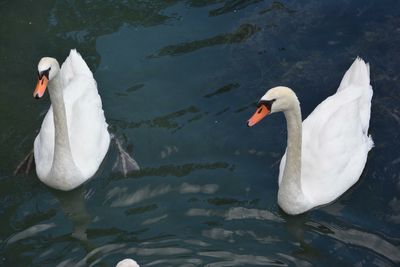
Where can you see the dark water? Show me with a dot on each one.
(178, 80)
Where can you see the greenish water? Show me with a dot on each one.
(178, 80)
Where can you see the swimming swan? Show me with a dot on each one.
(73, 139)
(325, 154)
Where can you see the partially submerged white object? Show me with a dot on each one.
(127, 263)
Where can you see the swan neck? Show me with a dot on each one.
(62, 150)
(292, 171)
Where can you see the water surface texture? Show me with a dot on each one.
(178, 80)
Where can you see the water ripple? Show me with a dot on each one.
(241, 34)
(231, 259)
(229, 235)
(236, 213)
(176, 170)
(30, 232)
(359, 238)
(155, 220)
(120, 197)
(224, 89)
(232, 6)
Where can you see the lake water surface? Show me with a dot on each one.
(178, 80)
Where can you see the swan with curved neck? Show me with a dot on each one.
(73, 139)
(327, 152)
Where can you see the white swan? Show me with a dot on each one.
(73, 139)
(326, 154)
(127, 263)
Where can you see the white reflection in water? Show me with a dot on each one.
(158, 251)
(365, 240)
(228, 235)
(154, 220)
(30, 232)
(157, 242)
(296, 261)
(121, 197)
(66, 263)
(197, 243)
(168, 150)
(194, 188)
(219, 234)
(236, 213)
(126, 199)
(99, 252)
(231, 259)
(177, 262)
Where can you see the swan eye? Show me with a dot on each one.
(267, 103)
(45, 73)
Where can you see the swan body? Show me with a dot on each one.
(73, 138)
(327, 152)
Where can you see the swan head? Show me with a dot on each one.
(48, 68)
(275, 100)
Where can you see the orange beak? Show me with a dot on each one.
(261, 112)
(40, 87)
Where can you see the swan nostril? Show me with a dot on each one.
(259, 110)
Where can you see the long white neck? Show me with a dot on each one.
(290, 195)
(62, 149)
(292, 171)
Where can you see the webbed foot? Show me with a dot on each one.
(26, 165)
(125, 163)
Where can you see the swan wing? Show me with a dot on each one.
(44, 145)
(87, 127)
(335, 138)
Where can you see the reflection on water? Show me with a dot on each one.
(74, 207)
(31, 231)
(177, 170)
(178, 81)
(124, 199)
(168, 121)
(241, 34)
(359, 238)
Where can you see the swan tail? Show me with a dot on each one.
(357, 74)
(79, 65)
(74, 65)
